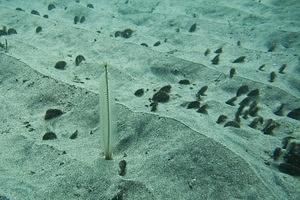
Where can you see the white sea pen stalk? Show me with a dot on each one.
(106, 120)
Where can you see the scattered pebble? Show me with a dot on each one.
(215, 60)
(242, 90)
(38, 29)
(156, 44)
(193, 104)
(202, 91)
(125, 34)
(51, 6)
(52, 113)
(160, 97)
(221, 119)
(203, 109)
(76, 19)
(11, 31)
(193, 28)
(122, 166)
(34, 12)
(232, 124)
(232, 72)
(294, 114)
(166, 88)
(79, 59)
(239, 59)
(74, 135)
(49, 136)
(282, 68)
(184, 82)
(90, 5)
(82, 19)
(20, 9)
(261, 68)
(253, 93)
(60, 65)
(289, 169)
(139, 92)
(220, 50)
(272, 77)
(231, 101)
(207, 52)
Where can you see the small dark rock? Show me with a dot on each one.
(193, 104)
(253, 93)
(203, 109)
(282, 68)
(51, 6)
(193, 28)
(207, 52)
(215, 60)
(74, 135)
(11, 31)
(127, 33)
(294, 114)
(239, 59)
(153, 106)
(156, 44)
(46, 16)
(220, 50)
(221, 119)
(82, 19)
(232, 124)
(160, 97)
(122, 166)
(144, 44)
(49, 136)
(231, 101)
(90, 5)
(34, 12)
(38, 29)
(139, 92)
(60, 65)
(52, 113)
(19, 9)
(261, 68)
(289, 169)
(76, 19)
(184, 82)
(79, 59)
(202, 91)
(272, 77)
(232, 72)
(242, 90)
(166, 88)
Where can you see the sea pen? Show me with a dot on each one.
(106, 110)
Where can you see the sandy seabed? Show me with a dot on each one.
(173, 64)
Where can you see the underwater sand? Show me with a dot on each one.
(172, 152)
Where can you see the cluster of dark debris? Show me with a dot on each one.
(163, 96)
(249, 109)
(62, 64)
(287, 157)
(51, 114)
(241, 59)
